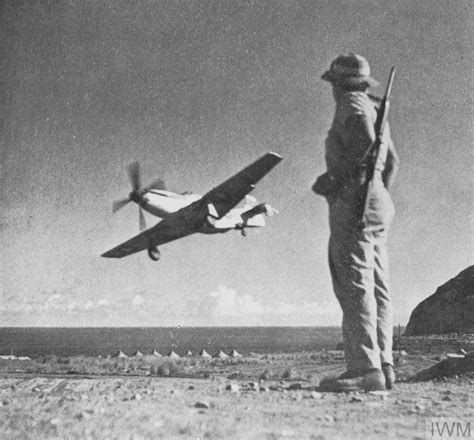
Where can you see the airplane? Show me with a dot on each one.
(185, 214)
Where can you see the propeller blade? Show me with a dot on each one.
(156, 184)
(119, 204)
(134, 175)
(141, 219)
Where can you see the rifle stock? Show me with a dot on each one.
(372, 155)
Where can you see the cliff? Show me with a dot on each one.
(449, 310)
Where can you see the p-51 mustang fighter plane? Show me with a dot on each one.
(185, 214)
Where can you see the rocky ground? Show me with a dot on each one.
(256, 397)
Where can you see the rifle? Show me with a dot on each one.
(372, 156)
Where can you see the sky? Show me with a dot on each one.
(195, 91)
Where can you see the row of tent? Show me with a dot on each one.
(172, 354)
(12, 357)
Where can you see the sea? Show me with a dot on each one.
(34, 342)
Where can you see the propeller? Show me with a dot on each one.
(135, 181)
(119, 204)
(134, 175)
(137, 192)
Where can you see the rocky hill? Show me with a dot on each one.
(449, 310)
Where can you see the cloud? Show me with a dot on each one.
(102, 303)
(65, 309)
(229, 303)
(89, 305)
(92, 305)
(137, 300)
(71, 306)
(221, 306)
(55, 297)
(225, 306)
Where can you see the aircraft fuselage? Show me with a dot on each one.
(161, 203)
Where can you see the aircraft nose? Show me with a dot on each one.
(135, 196)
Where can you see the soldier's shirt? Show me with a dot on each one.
(346, 144)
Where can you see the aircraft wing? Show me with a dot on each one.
(165, 231)
(228, 194)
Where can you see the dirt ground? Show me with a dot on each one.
(260, 397)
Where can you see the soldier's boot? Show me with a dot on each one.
(372, 380)
(389, 374)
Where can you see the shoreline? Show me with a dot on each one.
(271, 396)
(413, 344)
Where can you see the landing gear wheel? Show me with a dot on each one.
(154, 253)
(243, 232)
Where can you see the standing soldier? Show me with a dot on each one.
(357, 246)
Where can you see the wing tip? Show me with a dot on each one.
(275, 155)
(110, 254)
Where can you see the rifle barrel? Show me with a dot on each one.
(373, 153)
(391, 77)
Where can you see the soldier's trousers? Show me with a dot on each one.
(358, 263)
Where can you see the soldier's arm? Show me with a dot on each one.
(360, 133)
(392, 164)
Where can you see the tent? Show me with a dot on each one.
(120, 354)
(235, 354)
(173, 355)
(155, 353)
(138, 354)
(189, 353)
(221, 355)
(204, 354)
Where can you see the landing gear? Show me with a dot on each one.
(154, 253)
(241, 228)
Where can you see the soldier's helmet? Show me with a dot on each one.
(350, 70)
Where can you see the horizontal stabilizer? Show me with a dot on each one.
(262, 208)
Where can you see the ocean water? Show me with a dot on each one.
(107, 341)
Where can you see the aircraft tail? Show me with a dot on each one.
(262, 208)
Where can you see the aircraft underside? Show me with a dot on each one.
(208, 224)
(215, 212)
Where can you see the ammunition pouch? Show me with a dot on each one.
(326, 186)
(359, 175)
